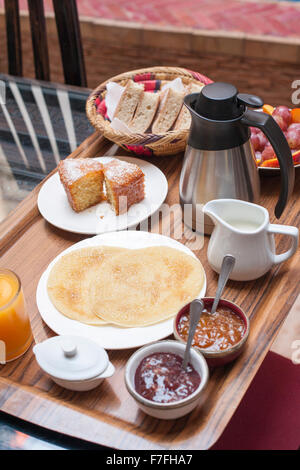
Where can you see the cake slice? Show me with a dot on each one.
(82, 180)
(129, 101)
(184, 119)
(171, 102)
(124, 184)
(145, 112)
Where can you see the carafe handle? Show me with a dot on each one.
(285, 230)
(269, 126)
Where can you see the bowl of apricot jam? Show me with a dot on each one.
(220, 336)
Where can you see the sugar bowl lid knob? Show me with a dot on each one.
(69, 347)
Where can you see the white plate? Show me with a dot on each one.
(54, 206)
(266, 170)
(109, 337)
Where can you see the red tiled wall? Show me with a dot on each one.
(255, 17)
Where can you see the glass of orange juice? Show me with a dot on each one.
(15, 329)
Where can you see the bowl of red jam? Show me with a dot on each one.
(220, 336)
(161, 388)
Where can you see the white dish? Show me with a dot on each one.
(272, 171)
(85, 385)
(109, 337)
(175, 409)
(54, 206)
(73, 362)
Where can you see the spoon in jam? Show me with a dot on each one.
(226, 268)
(196, 308)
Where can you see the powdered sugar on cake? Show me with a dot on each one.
(120, 171)
(75, 169)
(83, 181)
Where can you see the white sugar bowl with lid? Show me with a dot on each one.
(74, 362)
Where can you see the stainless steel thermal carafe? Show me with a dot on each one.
(219, 161)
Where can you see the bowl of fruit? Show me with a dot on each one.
(289, 122)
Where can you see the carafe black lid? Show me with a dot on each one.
(221, 102)
(217, 113)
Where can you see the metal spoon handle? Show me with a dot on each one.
(196, 309)
(227, 267)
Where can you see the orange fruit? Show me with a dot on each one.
(267, 108)
(296, 157)
(272, 163)
(295, 115)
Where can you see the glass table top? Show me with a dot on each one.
(19, 435)
(40, 124)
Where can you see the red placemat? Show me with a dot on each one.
(268, 418)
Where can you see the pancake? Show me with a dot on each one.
(67, 282)
(143, 286)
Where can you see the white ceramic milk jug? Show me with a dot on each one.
(242, 229)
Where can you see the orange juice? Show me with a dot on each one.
(15, 330)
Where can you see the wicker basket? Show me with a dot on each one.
(170, 142)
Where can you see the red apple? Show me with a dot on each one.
(263, 140)
(295, 125)
(284, 113)
(281, 122)
(293, 138)
(255, 141)
(268, 153)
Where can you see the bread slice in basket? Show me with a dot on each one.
(171, 103)
(145, 112)
(184, 119)
(129, 101)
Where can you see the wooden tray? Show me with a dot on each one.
(108, 415)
